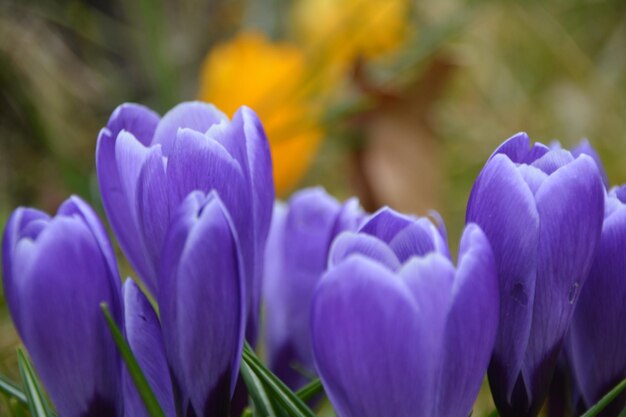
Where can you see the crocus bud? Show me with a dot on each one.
(596, 348)
(542, 211)
(57, 271)
(202, 304)
(393, 336)
(146, 166)
(296, 258)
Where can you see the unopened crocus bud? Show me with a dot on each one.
(147, 166)
(596, 348)
(296, 257)
(396, 328)
(542, 210)
(202, 304)
(57, 271)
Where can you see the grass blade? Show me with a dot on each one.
(606, 400)
(290, 401)
(143, 387)
(262, 404)
(37, 403)
(310, 390)
(12, 390)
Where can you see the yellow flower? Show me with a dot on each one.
(346, 29)
(270, 78)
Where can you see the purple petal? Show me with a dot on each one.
(310, 221)
(585, 147)
(518, 149)
(245, 139)
(64, 278)
(203, 320)
(192, 115)
(350, 217)
(200, 163)
(139, 120)
(597, 335)
(348, 244)
(385, 224)
(119, 163)
(369, 343)
(472, 326)
(502, 204)
(418, 239)
(533, 177)
(143, 332)
(23, 223)
(571, 208)
(553, 160)
(153, 209)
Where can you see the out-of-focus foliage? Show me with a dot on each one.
(268, 77)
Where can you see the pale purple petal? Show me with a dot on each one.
(348, 244)
(418, 239)
(553, 160)
(136, 119)
(571, 208)
(597, 343)
(502, 204)
(63, 279)
(143, 333)
(205, 322)
(368, 345)
(310, 220)
(192, 115)
(385, 224)
(471, 327)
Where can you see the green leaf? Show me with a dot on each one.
(290, 401)
(262, 404)
(143, 387)
(12, 390)
(606, 400)
(37, 402)
(310, 390)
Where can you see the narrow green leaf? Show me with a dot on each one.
(246, 413)
(143, 387)
(310, 390)
(262, 404)
(37, 403)
(12, 390)
(290, 401)
(606, 400)
(494, 413)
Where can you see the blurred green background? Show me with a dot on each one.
(398, 102)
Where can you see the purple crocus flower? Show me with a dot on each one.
(296, 258)
(396, 329)
(596, 348)
(202, 304)
(57, 271)
(147, 166)
(542, 211)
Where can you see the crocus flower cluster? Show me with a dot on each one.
(189, 197)
(312, 219)
(373, 304)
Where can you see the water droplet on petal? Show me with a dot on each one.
(518, 293)
(573, 293)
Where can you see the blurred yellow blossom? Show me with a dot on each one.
(341, 31)
(268, 77)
